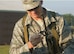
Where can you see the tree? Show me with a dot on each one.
(69, 18)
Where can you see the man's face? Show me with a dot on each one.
(36, 12)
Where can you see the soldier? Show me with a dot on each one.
(37, 20)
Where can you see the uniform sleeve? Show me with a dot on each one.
(64, 31)
(66, 34)
(59, 27)
(17, 46)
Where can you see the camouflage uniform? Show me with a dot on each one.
(68, 46)
(17, 45)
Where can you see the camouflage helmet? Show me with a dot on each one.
(30, 4)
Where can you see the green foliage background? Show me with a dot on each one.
(69, 18)
(4, 49)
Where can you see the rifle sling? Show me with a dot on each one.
(26, 35)
(25, 30)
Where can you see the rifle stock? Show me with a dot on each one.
(53, 47)
(53, 42)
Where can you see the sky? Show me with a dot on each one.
(60, 6)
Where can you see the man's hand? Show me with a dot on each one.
(35, 39)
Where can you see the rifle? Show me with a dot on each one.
(52, 42)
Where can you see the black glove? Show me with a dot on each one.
(35, 39)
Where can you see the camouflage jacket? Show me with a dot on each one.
(17, 45)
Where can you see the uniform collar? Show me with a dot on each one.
(28, 20)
